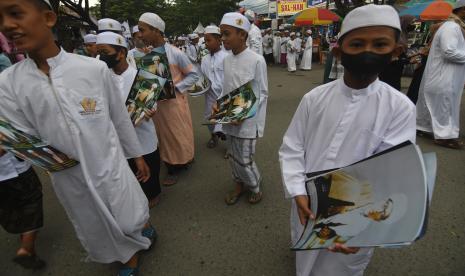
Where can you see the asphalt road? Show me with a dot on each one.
(200, 235)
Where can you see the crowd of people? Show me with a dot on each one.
(108, 196)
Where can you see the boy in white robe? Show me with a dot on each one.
(254, 39)
(277, 47)
(193, 49)
(345, 121)
(441, 88)
(67, 100)
(284, 39)
(268, 46)
(90, 46)
(139, 47)
(292, 53)
(112, 49)
(306, 63)
(241, 67)
(212, 68)
(298, 46)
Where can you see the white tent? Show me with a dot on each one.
(200, 29)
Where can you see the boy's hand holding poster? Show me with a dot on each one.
(33, 149)
(235, 107)
(145, 92)
(380, 201)
(200, 87)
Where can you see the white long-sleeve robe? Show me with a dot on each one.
(439, 99)
(76, 112)
(213, 68)
(277, 49)
(146, 130)
(291, 55)
(306, 63)
(267, 44)
(192, 52)
(239, 70)
(254, 40)
(335, 126)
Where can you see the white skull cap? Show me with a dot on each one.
(459, 4)
(111, 38)
(212, 29)
(370, 16)
(153, 20)
(250, 15)
(108, 24)
(90, 38)
(236, 20)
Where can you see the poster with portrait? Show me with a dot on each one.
(380, 201)
(237, 106)
(157, 64)
(33, 149)
(144, 94)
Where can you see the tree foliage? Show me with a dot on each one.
(343, 7)
(180, 16)
(80, 8)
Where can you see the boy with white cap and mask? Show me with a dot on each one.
(345, 121)
(90, 46)
(212, 68)
(101, 195)
(111, 25)
(254, 40)
(173, 117)
(241, 67)
(112, 49)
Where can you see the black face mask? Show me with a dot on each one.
(110, 60)
(365, 64)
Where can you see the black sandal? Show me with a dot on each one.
(449, 143)
(212, 143)
(29, 261)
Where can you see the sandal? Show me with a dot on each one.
(128, 271)
(212, 143)
(29, 261)
(233, 197)
(170, 180)
(221, 135)
(449, 143)
(255, 198)
(150, 233)
(154, 202)
(422, 133)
